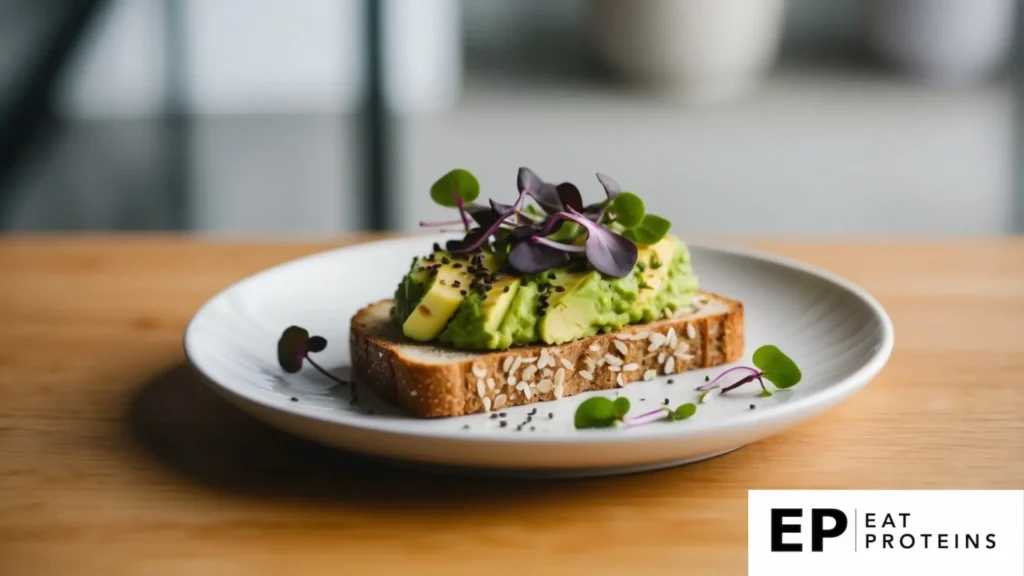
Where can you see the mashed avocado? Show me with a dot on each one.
(548, 308)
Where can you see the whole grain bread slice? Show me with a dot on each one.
(428, 381)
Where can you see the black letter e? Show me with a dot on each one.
(779, 528)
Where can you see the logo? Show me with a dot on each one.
(818, 531)
(885, 532)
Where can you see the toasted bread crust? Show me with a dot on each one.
(439, 390)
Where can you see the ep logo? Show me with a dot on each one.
(790, 521)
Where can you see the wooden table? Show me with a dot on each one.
(115, 459)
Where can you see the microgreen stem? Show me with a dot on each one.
(714, 383)
(493, 227)
(648, 417)
(559, 245)
(324, 372)
(466, 220)
(745, 380)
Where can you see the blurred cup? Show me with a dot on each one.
(704, 50)
(946, 42)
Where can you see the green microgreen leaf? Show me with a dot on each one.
(764, 394)
(628, 209)
(622, 406)
(458, 183)
(684, 411)
(776, 367)
(598, 412)
(650, 231)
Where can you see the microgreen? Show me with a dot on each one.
(628, 209)
(295, 346)
(454, 186)
(602, 412)
(557, 229)
(650, 230)
(770, 364)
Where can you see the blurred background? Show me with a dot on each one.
(316, 117)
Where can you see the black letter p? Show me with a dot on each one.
(818, 532)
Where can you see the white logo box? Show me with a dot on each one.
(934, 532)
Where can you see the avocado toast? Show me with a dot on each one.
(539, 300)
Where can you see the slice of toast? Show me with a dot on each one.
(429, 381)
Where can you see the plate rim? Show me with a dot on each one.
(795, 410)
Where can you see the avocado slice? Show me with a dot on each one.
(444, 289)
(656, 261)
(585, 304)
(477, 324)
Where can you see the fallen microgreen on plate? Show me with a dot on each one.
(769, 363)
(294, 348)
(602, 412)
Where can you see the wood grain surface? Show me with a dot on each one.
(115, 459)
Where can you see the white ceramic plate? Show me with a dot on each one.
(837, 333)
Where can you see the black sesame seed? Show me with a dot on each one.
(456, 284)
(671, 381)
(559, 288)
(445, 261)
(532, 412)
(643, 399)
(519, 428)
(463, 292)
(502, 424)
(502, 414)
(551, 415)
(465, 426)
(752, 406)
(532, 429)
(707, 378)
(437, 247)
(494, 416)
(488, 287)
(665, 402)
(294, 399)
(506, 289)
(552, 275)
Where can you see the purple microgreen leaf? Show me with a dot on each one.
(544, 193)
(611, 187)
(317, 344)
(524, 232)
(569, 196)
(292, 348)
(608, 252)
(500, 208)
(453, 186)
(532, 258)
(559, 245)
(483, 215)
